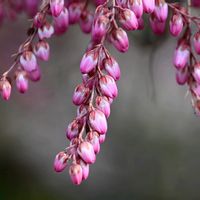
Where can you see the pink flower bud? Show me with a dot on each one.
(161, 10)
(103, 105)
(28, 61)
(39, 20)
(157, 27)
(102, 138)
(56, 7)
(61, 23)
(60, 161)
(46, 31)
(76, 174)
(82, 110)
(176, 24)
(137, 7)
(196, 72)
(181, 55)
(86, 21)
(100, 27)
(21, 81)
(128, 19)
(75, 10)
(86, 152)
(108, 86)
(5, 89)
(35, 75)
(89, 61)
(197, 42)
(120, 40)
(182, 76)
(42, 50)
(93, 138)
(148, 6)
(112, 67)
(98, 121)
(73, 129)
(85, 169)
(80, 95)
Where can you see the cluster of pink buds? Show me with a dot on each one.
(100, 70)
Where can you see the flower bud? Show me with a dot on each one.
(85, 169)
(181, 55)
(148, 6)
(61, 22)
(176, 24)
(80, 95)
(42, 50)
(89, 61)
(60, 161)
(31, 7)
(56, 7)
(196, 72)
(128, 19)
(108, 86)
(39, 20)
(103, 105)
(82, 110)
(45, 31)
(120, 40)
(75, 10)
(157, 27)
(98, 121)
(100, 27)
(5, 89)
(136, 6)
(73, 129)
(161, 10)
(28, 61)
(76, 174)
(181, 76)
(21, 81)
(86, 21)
(35, 75)
(102, 138)
(112, 67)
(197, 42)
(93, 138)
(86, 152)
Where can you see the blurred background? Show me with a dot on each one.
(152, 149)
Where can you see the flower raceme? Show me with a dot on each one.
(99, 69)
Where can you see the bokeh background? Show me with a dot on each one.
(152, 149)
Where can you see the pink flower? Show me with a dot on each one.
(60, 161)
(61, 22)
(181, 76)
(86, 152)
(73, 129)
(176, 24)
(196, 72)
(85, 169)
(76, 174)
(137, 7)
(89, 61)
(35, 75)
(128, 19)
(181, 55)
(80, 95)
(157, 27)
(21, 81)
(161, 10)
(5, 89)
(42, 50)
(56, 7)
(120, 40)
(28, 61)
(86, 21)
(148, 6)
(103, 105)
(45, 31)
(93, 138)
(39, 20)
(108, 86)
(196, 41)
(100, 27)
(97, 121)
(102, 138)
(75, 10)
(112, 67)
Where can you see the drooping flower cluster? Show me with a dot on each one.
(100, 70)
